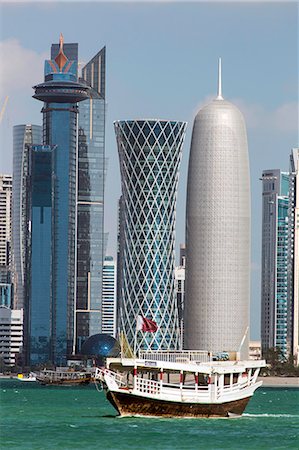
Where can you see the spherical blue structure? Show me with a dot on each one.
(101, 345)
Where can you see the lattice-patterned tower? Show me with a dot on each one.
(216, 315)
(150, 154)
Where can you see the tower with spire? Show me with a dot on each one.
(50, 312)
(216, 316)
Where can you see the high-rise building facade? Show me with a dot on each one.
(120, 245)
(86, 186)
(150, 153)
(90, 202)
(216, 312)
(11, 334)
(6, 292)
(274, 284)
(60, 93)
(180, 276)
(293, 257)
(23, 136)
(109, 297)
(39, 312)
(5, 219)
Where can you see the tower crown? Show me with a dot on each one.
(61, 59)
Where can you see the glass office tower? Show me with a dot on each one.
(293, 257)
(90, 202)
(38, 330)
(150, 154)
(60, 93)
(275, 230)
(23, 136)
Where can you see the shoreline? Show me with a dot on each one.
(291, 382)
(288, 382)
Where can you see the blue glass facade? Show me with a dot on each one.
(23, 136)
(41, 170)
(90, 202)
(6, 295)
(282, 266)
(63, 133)
(60, 93)
(275, 240)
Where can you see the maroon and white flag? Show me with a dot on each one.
(144, 324)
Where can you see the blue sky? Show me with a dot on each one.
(162, 63)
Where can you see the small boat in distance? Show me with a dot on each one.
(179, 384)
(60, 377)
(28, 378)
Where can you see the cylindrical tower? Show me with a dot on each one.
(216, 314)
(150, 154)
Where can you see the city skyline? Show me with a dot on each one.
(264, 90)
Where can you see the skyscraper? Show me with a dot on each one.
(23, 136)
(39, 312)
(90, 202)
(11, 334)
(109, 297)
(150, 154)
(293, 257)
(60, 93)
(216, 315)
(180, 276)
(5, 240)
(274, 286)
(5, 219)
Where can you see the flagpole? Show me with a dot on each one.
(135, 340)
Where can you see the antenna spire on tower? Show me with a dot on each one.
(61, 59)
(61, 42)
(219, 94)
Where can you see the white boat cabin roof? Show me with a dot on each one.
(219, 367)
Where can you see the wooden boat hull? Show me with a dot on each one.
(48, 382)
(128, 404)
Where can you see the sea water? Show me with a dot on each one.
(39, 417)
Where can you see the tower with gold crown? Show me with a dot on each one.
(50, 311)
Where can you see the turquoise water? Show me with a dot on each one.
(38, 418)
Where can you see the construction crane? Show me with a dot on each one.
(3, 108)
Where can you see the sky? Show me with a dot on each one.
(162, 63)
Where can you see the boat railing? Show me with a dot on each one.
(186, 387)
(180, 356)
(100, 373)
(172, 391)
(147, 386)
(230, 388)
(61, 375)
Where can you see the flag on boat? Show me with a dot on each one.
(144, 324)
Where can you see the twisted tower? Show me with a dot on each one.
(216, 314)
(150, 154)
